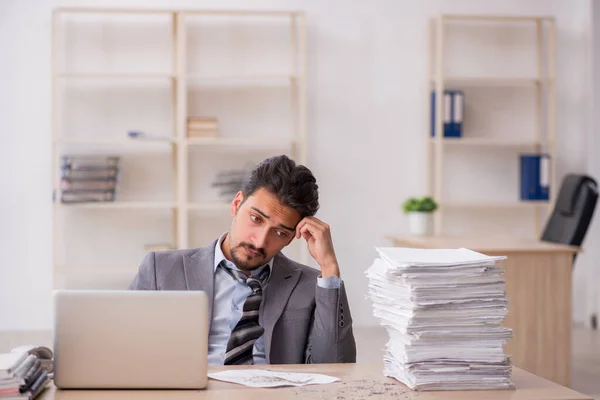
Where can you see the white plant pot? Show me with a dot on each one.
(420, 223)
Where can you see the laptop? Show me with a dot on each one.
(121, 339)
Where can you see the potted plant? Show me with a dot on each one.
(420, 215)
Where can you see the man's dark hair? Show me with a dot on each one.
(293, 184)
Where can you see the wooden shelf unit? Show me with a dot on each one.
(178, 84)
(543, 82)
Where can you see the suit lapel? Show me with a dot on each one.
(199, 274)
(282, 282)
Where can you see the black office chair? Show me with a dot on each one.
(573, 211)
(572, 215)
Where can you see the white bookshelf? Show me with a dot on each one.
(107, 80)
(500, 76)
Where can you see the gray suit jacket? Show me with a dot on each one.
(303, 323)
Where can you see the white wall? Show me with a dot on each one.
(587, 268)
(367, 71)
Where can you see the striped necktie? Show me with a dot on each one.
(247, 331)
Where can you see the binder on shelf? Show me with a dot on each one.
(458, 106)
(535, 176)
(544, 188)
(450, 129)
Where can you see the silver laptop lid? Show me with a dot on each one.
(130, 339)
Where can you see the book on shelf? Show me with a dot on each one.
(25, 372)
(201, 133)
(106, 173)
(203, 121)
(202, 127)
(70, 184)
(89, 162)
(87, 196)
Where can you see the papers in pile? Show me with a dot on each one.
(443, 310)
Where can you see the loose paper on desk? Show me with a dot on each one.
(267, 378)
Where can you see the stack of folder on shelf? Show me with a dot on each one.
(230, 182)
(25, 372)
(443, 310)
(88, 178)
(200, 127)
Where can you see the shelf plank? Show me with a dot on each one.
(491, 81)
(117, 142)
(120, 205)
(100, 10)
(486, 142)
(113, 75)
(496, 18)
(108, 268)
(224, 13)
(495, 205)
(231, 141)
(213, 206)
(240, 80)
(245, 13)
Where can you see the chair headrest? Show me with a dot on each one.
(570, 190)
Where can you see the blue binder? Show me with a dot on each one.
(535, 176)
(447, 113)
(544, 183)
(458, 106)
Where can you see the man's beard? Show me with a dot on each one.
(243, 261)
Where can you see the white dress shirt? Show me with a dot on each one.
(228, 304)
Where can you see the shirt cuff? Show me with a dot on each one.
(331, 282)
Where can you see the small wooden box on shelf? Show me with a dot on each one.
(202, 127)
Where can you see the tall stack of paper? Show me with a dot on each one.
(443, 310)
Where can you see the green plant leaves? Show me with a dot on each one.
(416, 204)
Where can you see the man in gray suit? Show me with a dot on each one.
(265, 308)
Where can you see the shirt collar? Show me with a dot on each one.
(219, 256)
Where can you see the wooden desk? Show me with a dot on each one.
(538, 285)
(358, 381)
